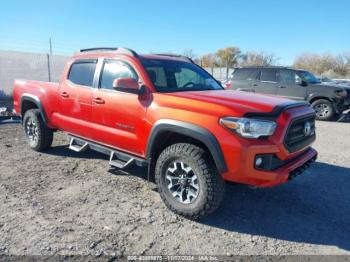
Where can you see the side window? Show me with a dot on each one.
(244, 74)
(114, 69)
(157, 75)
(82, 72)
(186, 76)
(287, 77)
(268, 75)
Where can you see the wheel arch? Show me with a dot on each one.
(312, 99)
(29, 101)
(178, 130)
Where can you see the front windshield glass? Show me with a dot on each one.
(176, 76)
(308, 77)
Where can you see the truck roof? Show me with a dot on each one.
(112, 51)
(271, 67)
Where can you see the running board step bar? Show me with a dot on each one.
(117, 158)
(77, 147)
(120, 161)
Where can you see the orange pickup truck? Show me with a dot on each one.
(166, 113)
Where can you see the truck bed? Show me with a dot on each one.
(41, 92)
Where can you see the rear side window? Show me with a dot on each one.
(268, 75)
(287, 77)
(114, 69)
(244, 74)
(82, 72)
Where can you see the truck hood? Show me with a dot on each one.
(331, 86)
(238, 101)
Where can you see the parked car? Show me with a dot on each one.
(326, 99)
(345, 82)
(168, 114)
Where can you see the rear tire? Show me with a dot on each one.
(324, 109)
(188, 181)
(38, 135)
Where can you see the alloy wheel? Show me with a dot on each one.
(182, 182)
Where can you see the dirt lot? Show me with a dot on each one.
(62, 202)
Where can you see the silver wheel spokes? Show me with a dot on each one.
(32, 130)
(182, 182)
(322, 110)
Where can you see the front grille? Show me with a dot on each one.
(300, 133)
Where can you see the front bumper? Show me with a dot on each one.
(249, 174)
(285, 165)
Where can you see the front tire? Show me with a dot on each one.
(188, 181)
(38, 135)
(324, 109)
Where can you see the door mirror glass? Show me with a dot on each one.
(129, 85)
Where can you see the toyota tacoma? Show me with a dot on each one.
(167, 114)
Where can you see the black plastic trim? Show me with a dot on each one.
(308, 141)
(178, 56)
(105, 149)
(196, 132)
(36, 101)
(272, 162)
(98, 49)
(277, 110)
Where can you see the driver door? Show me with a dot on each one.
(288, 85)
(118, 116)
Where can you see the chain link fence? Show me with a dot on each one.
(44, 67)
(33, 66)
(219, 73)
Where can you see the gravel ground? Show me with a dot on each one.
(67, 203)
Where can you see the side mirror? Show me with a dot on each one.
(128, 85)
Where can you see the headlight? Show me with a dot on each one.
(249, 128)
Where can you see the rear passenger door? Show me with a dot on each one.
(266, 82)
(242, 79)
(288, 85)
(75, 98)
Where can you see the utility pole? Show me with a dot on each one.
(50, 46)
(48, 60)
(48, 67)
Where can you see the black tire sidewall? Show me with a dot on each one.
(198, 203)
(45, 134)
(211, 184)
(330, 114)
(32, 115)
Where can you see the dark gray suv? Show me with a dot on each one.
(328, 100)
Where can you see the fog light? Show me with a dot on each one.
(258, 161)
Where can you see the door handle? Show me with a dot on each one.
(64, 94)
(255, 85)
(98, 100)
(281, 86)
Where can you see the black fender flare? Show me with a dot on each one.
(196, 132)
(36, 101)
(311, 97)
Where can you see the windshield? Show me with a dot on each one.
(308, 77)
(176, 76)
